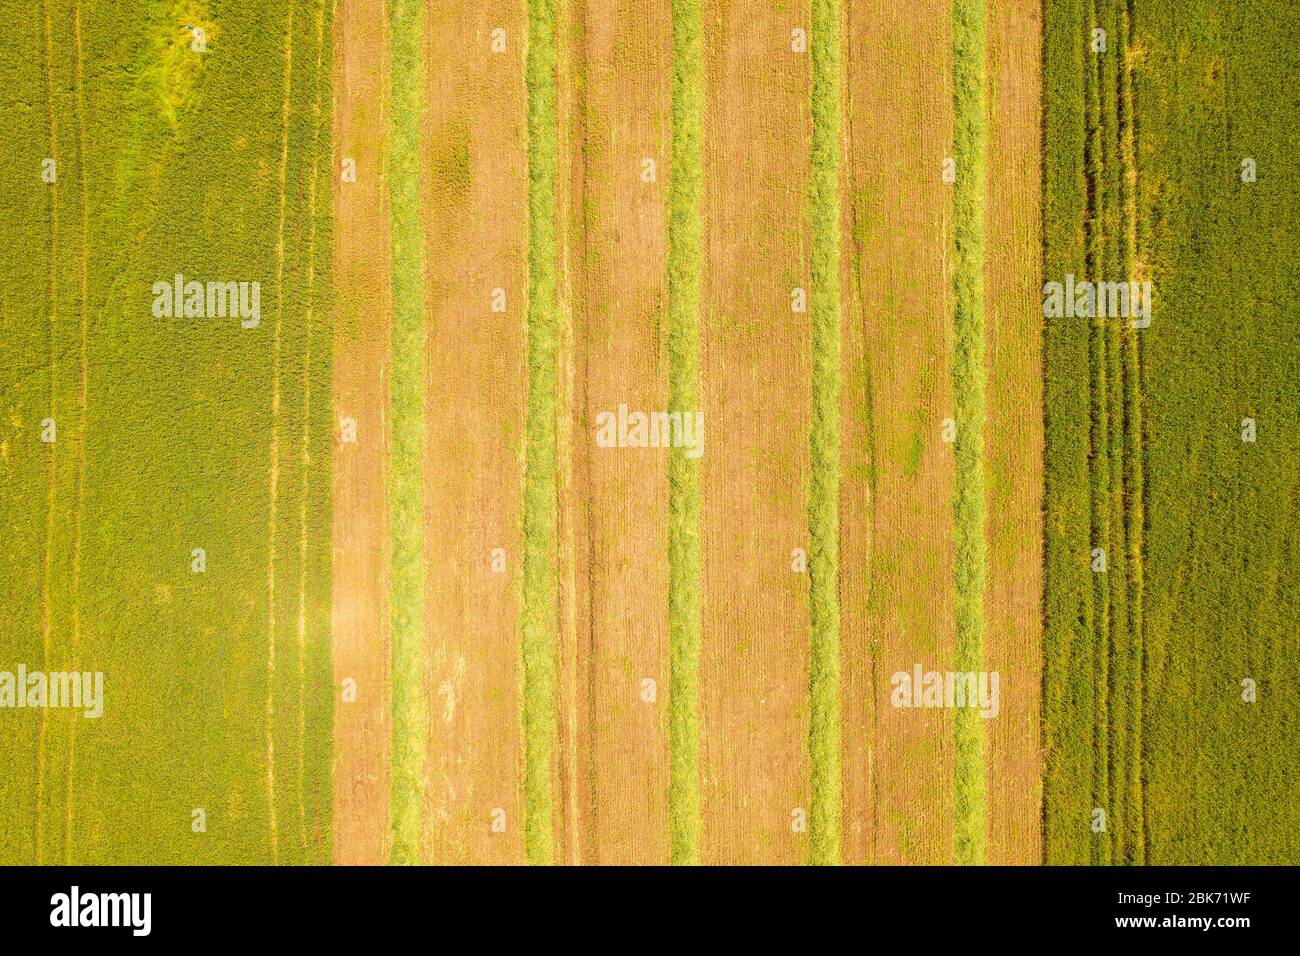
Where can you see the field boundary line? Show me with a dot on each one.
(586, 122)
(685, 195)
(824, 438)
(1135, 446)
(1099, 430)
(1118, 723)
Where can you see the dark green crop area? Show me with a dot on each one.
(1168, 704)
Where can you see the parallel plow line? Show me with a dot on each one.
(1134, 444)
(82, 395)
(46, 612)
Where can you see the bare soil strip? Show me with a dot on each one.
(576, 808)
(476, 394)
(755, 373)
(627, 57)
(1014, 432)
(362, 330)
(896, 495)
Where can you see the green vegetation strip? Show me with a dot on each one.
(685, 190)
(407, 415)
(969, 139)
(539, 624)
(824, 438)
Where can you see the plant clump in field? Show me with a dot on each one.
(180, 45)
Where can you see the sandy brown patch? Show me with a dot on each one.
(755, 388)
(475, 165)
(362, 330)
(620, 357)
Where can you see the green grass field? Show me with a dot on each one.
(162, 438)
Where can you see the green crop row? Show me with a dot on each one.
(539, 623)
(970, 138)
(824, 437)
(685, 194)
(406, 408)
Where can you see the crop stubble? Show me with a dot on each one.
(476, 394)
(755, 393)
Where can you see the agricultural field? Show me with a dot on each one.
(581, 432)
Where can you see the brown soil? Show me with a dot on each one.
(617, 790)
(896, 520)
(475, 406)
(363, 321)
(755, 388)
